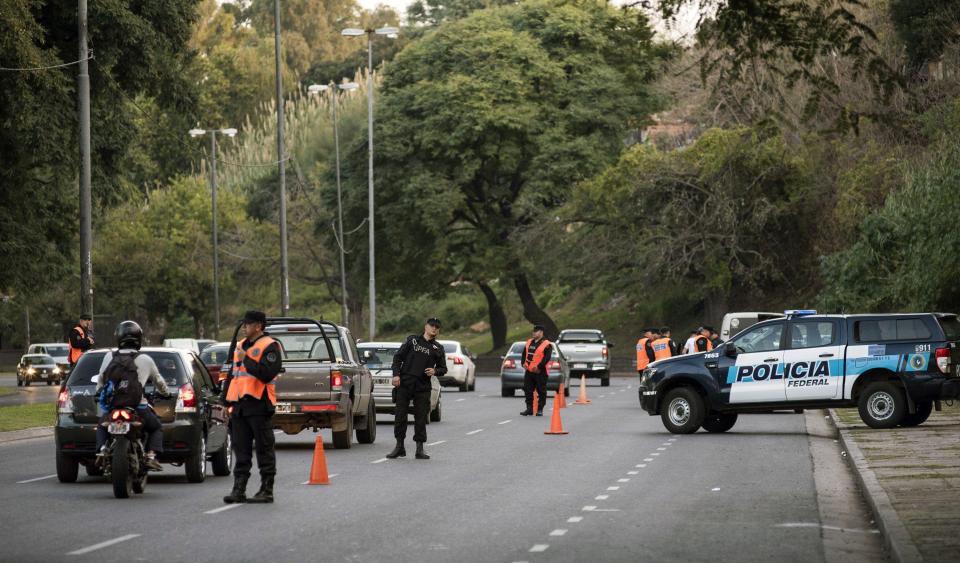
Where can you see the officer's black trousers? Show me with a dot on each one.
(536, 381)
(421, 410)
(245, 430)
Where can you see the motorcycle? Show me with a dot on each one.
(125, 462)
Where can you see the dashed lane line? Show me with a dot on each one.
(613, 488)
(225, 508)
(35, 479)
(601, 497)
(508, 421)
(539, 548)
(477, 431)
(633, 473)
(460, 400)
(661, 449)
(101, 545)
(655, 453)
(558, 532)
(574, 519)
(715, 489)
(648, 459)
(641, 465)
(381, 460)
(624, 480)
(437, 443)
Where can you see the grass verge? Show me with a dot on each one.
(7, 391)
(26, 416)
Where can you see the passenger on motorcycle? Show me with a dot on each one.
(129, 337)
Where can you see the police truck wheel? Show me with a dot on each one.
(368, 435)
(222, 461)
(882, 405)
(195, 466)
(924, 408)
(719, 422)
(436, 413)
(343, 440)
(67, 468)
(507, 392)
(682, 411)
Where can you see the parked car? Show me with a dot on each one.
(192, 429)
(324, 384)
(58, 350)
(378, 357)
(588, 353)
(202, 344)
(461, 369)
(189, 344)
(38, 367)
(214, 356)
(511, 371)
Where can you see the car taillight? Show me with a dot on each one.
(457, 360)
(553, 365)
(943, 359)
(336, 380)
(64, 402)
(509, 364)
(605, 352)
(187, 399)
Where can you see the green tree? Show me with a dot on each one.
(926, 27)
(436, 12)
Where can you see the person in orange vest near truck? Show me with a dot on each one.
(81, 339)
(702, 342)
(662, 346)
(645, 349)
(250, 392)
(536, 356)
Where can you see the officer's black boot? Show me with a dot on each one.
(239, 492)
(265, 494)
(398, 451)
(420, 453)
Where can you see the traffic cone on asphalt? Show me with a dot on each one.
(563, 397)
(582, 399)
(318, 470)
(556, 425)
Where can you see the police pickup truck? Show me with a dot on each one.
(893, 368)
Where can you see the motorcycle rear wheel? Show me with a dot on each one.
(120, 468)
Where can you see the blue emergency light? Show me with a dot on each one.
(800, 312)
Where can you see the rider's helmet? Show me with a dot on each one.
(129, 335)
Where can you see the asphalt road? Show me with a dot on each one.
(36, 393)
(617, 488)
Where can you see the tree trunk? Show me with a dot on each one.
(498, 319)
(531, 311)
(714, 307)
(357, 322)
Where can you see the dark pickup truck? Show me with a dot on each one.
(323, 384)
(893, 368)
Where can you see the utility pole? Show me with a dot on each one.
(343, 270)
(281, 158)
(373, 277)
(86, 223)
(216, 248)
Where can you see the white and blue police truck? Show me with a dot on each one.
(893, 367)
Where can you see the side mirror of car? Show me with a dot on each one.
(730, 349)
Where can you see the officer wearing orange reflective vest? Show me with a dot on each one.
(251, 395)
(702, 342)
(645, 348)
(536, 357)
(81, 339)
(663, 347)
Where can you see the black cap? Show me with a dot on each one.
(434, 321)
(665, 329)
(254, 317)
(537, 327)
(86, 317)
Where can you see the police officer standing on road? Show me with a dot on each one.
(250, 391)
(702, 343)
(81, 338)
(536, 356)
(417, 360)
(645, 349)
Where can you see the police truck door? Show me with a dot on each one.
(755, 374)
(813, 361)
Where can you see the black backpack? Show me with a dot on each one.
(122, 371)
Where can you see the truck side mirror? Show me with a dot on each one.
(730, 349)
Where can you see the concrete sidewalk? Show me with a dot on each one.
(911, 479)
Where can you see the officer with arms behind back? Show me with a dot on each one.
(251, 393)
(536, 356)
(702, 342)
(417, 360)
(81, 339)
(113, 391)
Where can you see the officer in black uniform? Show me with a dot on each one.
(535, 375)
(417, 360)
(252, 418)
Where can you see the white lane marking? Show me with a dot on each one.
(437, 443)
(225, 508)
(601, 497)
(104, 544)
(715, 489)
(624, 480)
(508, 421)
(667, 444)
(641, 465)
(460, 400)
(539, 548)
(629, 386)
(661, 449)
(633, 473)
(36, 479)
(655, 453)
(558, 532)
(381, 460)
(825, 527)
(477, 431)
(672, 440)
(602, 396)
(589, 508)
(575, 519)
(331, 476)
(613, 488)
(648, 459)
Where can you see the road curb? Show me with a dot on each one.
(26, 434)
(896, 537)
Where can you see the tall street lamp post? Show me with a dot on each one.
(356, 32)
(213, 199)
(315, 89)
(282, 161)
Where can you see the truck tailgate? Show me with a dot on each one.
(583, 352)
(304, 381)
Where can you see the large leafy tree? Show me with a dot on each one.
(487, 122)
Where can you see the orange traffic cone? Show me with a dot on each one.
(318, 470)
(563, 397)
(582, 399)
(556, 425)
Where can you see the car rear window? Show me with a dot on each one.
(214, 355)
(885, 330)
(450, 348)
(307, 346)
(380, 357)
(587, 337)
(516, 349)
(168, 363)
(951, 326)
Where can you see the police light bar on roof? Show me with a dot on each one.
(800, 312)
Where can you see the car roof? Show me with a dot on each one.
(378, 344)
(180, 351)
(597, 330)
(49, 344)
(37, 356)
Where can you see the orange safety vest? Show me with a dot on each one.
(75, 353)
(642, 358)
(243, 383)
(661, 349)
(709, 344)
(537, 354)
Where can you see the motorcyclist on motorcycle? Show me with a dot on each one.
(129, 337)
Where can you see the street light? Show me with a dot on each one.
(356, 32)
(316, 89)
(213, 198)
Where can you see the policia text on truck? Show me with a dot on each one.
(894, 368)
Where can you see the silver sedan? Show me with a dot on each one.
(378, 357)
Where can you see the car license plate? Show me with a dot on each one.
(579, 366)
(119, 427)
(283, 408)
(381, 381)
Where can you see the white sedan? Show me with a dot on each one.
(461, 370)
